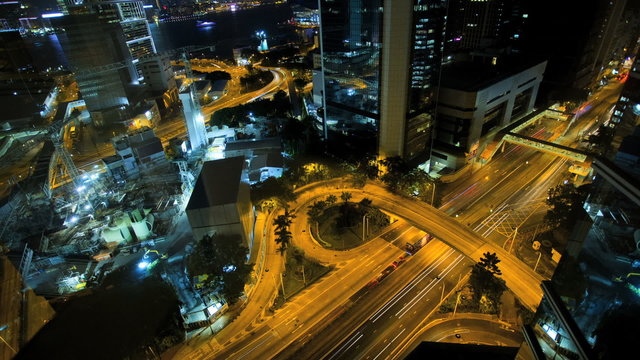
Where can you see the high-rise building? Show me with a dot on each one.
(591, 305)
(196, 129)
(477, 25)
(381, 62)
(98, 55)
(130, 15)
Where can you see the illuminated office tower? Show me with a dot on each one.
(103, 67)
(193, 118)
(381, 61)
(131, 17)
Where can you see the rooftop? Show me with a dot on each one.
(217, 184)
(476, 75)
(270, 143)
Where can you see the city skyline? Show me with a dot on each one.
(330, 179)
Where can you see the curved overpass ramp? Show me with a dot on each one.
(520, 278)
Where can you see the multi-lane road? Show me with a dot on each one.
(516, 175)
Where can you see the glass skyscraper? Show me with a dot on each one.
(591, 306)
(381, 61)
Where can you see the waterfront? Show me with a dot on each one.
(229, 30)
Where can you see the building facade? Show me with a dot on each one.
(478, 25)
(97, 53)
(476, 99)
(220, 202)
(590, 307)
(380, 62)
(196, 129)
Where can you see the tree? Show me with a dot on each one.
(490, 262)
(222, 259)
(283, 235)
(330, 200)
(299, 83)
(316, 209)
(565, 202)
(345, 196)
(272, 188)
(487, 288)
(601, 141)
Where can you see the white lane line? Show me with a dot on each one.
(390, 342)
(431, 286)
(355, 337)
(253, 348)
(409, 287)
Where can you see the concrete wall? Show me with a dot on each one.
(474, 105)
(234, 218)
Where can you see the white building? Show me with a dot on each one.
(196, 129)
(476, 100)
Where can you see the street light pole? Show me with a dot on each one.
(364, 222)
(455, 308)
(537, 261)
(514, 239)
(433, 192)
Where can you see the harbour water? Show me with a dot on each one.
(226, 30)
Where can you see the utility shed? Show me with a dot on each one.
(220, 202)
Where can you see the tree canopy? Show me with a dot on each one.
(565, 202)
(222, 258)
(487, 287)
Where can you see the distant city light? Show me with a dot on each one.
(143, 265)
(81, 188)
(52, 15)
(87, 207)
(147, 6)
(74, 219)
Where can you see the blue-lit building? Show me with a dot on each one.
(381, 63)
(591, 306)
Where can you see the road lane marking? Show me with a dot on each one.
(411, 285)
(422, 293)
(390, 342)
(357, 335)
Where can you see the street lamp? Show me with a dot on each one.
(537, 261)
(365, 222)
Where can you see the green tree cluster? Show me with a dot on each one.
(487, 287)
(283, 235)
(255, 80)
(565, 202)
(405, 180)
(600, 143)
(272, 189)
(278, 107)
(222, 258)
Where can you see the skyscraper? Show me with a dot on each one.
(97, 53)
(130, 15)
(381, 61)
(591, 306)
(478, 24)
(196, 129)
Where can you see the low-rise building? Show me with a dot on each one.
(475, 100)
(220, 202)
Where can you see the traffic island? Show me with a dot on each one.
(347, 225)
(300, 272)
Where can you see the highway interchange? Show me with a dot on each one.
(378, 322)
(513, 178)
